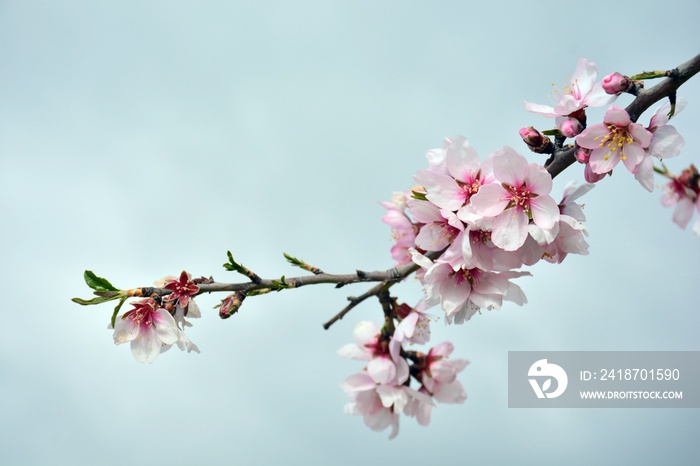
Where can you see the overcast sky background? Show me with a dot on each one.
(141, 138)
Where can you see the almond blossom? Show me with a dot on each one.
(414, 325)
(403, 229)
(366, 401)
(385, 365)
(439, 376)
(521, 194)
(148, 327)
(683, 191)
(461, 293)
(181, 289)
(452, 188)
(581, 92)
(616, 139)
(666, 141)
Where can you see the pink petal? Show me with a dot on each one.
(424, 211)
(166, 328)
(381, 369)
(365, 332)
(598, 97)
(683, 212)
(434, 237)
(352, 351)
(645, 173)
(453, 296)
(509, 167)
(393, 396)
(598, 162)
(666, 143)
(490, 200)
(617, 116)
(451, 393)
(462, 160)
(443, 191)
(510, 229)
(544, 110)
(633, 156)
(146, 347)
(358, 382)
(125, 330)
(584, 75)
(590, 137)
(443, 349)
(545, 212)
(538, 179)
(641, 135)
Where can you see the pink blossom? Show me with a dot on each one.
(683, 191)
(148, 327)
(452, 189)
(385, 366)
(461, 293)
(521, 194)
(478, 251)
(182, 289)
(404, 231)
(666, 141)
(616, 139)
(440, 227)
(440, 375)
(367, 402)
(581, 92)
(414, 325)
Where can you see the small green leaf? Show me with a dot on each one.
(418, 195)
(552, 132)
(293, 260)
(116, 310)
(93, 301)
(650, 75)
(98, 283)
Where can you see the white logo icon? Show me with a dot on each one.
(543, 369)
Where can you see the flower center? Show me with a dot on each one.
(616, 140)
(519, 197)
(568, 89)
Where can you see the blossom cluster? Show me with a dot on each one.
(382, 391)
(155, 324)
(484, 219)
(601, 147)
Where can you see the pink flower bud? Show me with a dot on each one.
(536, 141)
(616, 83)
(582, 155)
(230, 305)
(531, 136)
(571, 128)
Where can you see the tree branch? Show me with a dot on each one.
(645, 99)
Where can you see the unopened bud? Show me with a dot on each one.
(571, 128)
(536, 141)
(582, 155)
(616, 83)
(230, 305)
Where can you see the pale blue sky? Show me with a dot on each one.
(141, 138)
